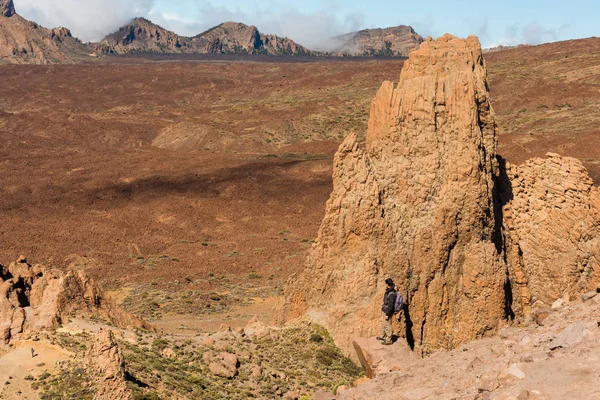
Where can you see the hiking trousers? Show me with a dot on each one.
(386, 327)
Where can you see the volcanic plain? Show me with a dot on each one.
(189, 186)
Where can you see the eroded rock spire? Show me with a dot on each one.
(425, 202)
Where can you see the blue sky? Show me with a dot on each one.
(311, 22)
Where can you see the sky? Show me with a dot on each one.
(311, 22)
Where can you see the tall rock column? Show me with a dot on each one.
(417, 205)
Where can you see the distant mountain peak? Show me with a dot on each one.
(393, 41)
(142, 35)
(7, 8)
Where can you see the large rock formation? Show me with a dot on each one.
(36, 297)
(416, 205)
(423, 203)
(396, 41)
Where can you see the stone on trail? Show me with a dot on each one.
(377, 358)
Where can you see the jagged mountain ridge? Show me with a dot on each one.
(395, 41)
(26, 42)
(142, 35)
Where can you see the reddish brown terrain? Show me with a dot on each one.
(214, 175)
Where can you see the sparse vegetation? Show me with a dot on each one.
(302, 358)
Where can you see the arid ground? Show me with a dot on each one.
(188, 186)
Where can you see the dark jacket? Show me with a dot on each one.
(389, 300)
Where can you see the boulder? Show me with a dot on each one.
(572, 335)
(377, 358)
(224, 365)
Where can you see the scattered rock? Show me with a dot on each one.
(570, 336)
(377, 359)
(589, 295)
(540, 316)
(341, 389)
(168, 353)
(224, 365)
(291, 395)
(558, 303)
(255, 371)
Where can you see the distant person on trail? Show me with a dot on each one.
(388, 308)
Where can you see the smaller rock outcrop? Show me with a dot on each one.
(106, 360)
(553, 222)
(7, 8)
(61, 34)
(34, 297)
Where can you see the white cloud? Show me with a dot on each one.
(89, 20)
(532, 33)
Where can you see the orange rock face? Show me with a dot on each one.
(424, 203)
(36, 297)
(553, 220)
(106, 359)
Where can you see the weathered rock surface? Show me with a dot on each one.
(417, 205)
(559, 360)
(36, 297)
(377, 358)
(553, 220)
(141, 35)
(396, 41)
(235, 37)
(471, 242)
(223, 364)
(107, 361)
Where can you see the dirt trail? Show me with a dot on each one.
(18, 363)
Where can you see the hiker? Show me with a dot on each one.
(388, 308)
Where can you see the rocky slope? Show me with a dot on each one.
(234, 37)
(35, 297)
(22, 41)
(424, 203)
(142, 35)
(553, 357)
(395, 41)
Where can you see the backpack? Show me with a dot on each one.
(399, 304)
